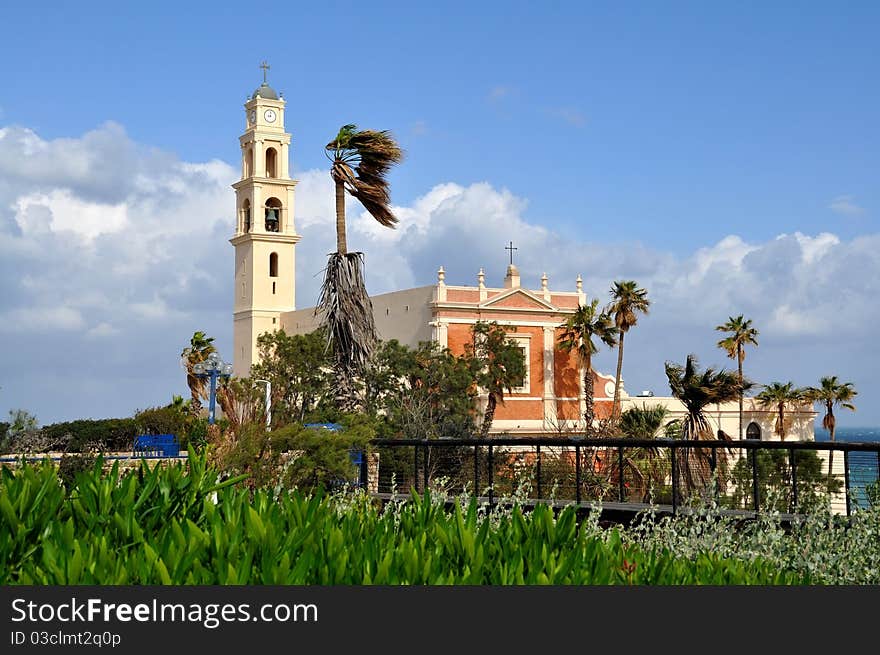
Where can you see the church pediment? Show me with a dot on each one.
(518, 299)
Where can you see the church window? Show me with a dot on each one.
(273, 288)
(753, 431)
(271, 162)
(524, 345)
(273, 215)
(273, 266)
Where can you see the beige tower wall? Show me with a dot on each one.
(260, 298)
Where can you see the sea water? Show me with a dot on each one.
(864, 467)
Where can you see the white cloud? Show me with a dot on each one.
(102, 330)
(500, 92)
(68, 214)
(570, 115)
(846, 205)
(814, 248)
(41, 319)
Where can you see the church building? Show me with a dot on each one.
(551, 400)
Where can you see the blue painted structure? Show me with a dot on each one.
(156, 445)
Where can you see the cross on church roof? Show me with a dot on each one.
(265, 68)
(511, 249)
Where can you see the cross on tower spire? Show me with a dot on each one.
(265, 68)
(511, 249)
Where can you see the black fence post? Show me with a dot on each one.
(755, 490)
(491, 463)
(416, 468)
(674, 463)
(476, 471)
(425, 468)
(620, 488)
(538, 462)
(713, 466)
(577, 474)
(846, 481)
(792, 464)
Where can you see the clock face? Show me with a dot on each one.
(252, 116)
(269, 115)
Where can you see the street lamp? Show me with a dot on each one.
(268, 402)
(213, 367)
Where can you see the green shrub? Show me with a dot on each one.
(72, 464)
(775, 482)
(112, 434)
(5, 438)
(161, 420)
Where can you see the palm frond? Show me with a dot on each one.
(361, 161)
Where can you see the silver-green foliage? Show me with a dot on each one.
(822, 547)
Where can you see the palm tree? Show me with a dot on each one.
(626, 299)
(741, 334)
(200, 346)
(697, 390)
(646, 471)
(497, 364)
(779, 396)
(360, 161)
(831, 393)
(643, 422)
(577, 334)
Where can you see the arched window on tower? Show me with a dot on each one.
(273, 215)
(273, 264)
(246, 216)
(271, 162)
(249, 162)
(753, 431)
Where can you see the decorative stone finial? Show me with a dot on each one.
(544, 282)
(441, 276)
(511, 281)
(579, 284)
(481, 278)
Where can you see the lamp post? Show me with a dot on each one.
(213, 367)
(268, 402)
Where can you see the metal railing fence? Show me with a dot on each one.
(747, 475)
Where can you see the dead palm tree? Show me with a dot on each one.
(696, 390)
(360, 162)
(831, 393)
(578, 333)
(779, 397)
(626, 300)
(741, 334)
(200, 346)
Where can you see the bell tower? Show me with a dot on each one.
(265, 235)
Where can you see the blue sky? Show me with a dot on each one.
(725, 156)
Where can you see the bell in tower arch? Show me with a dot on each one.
(271, 219)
